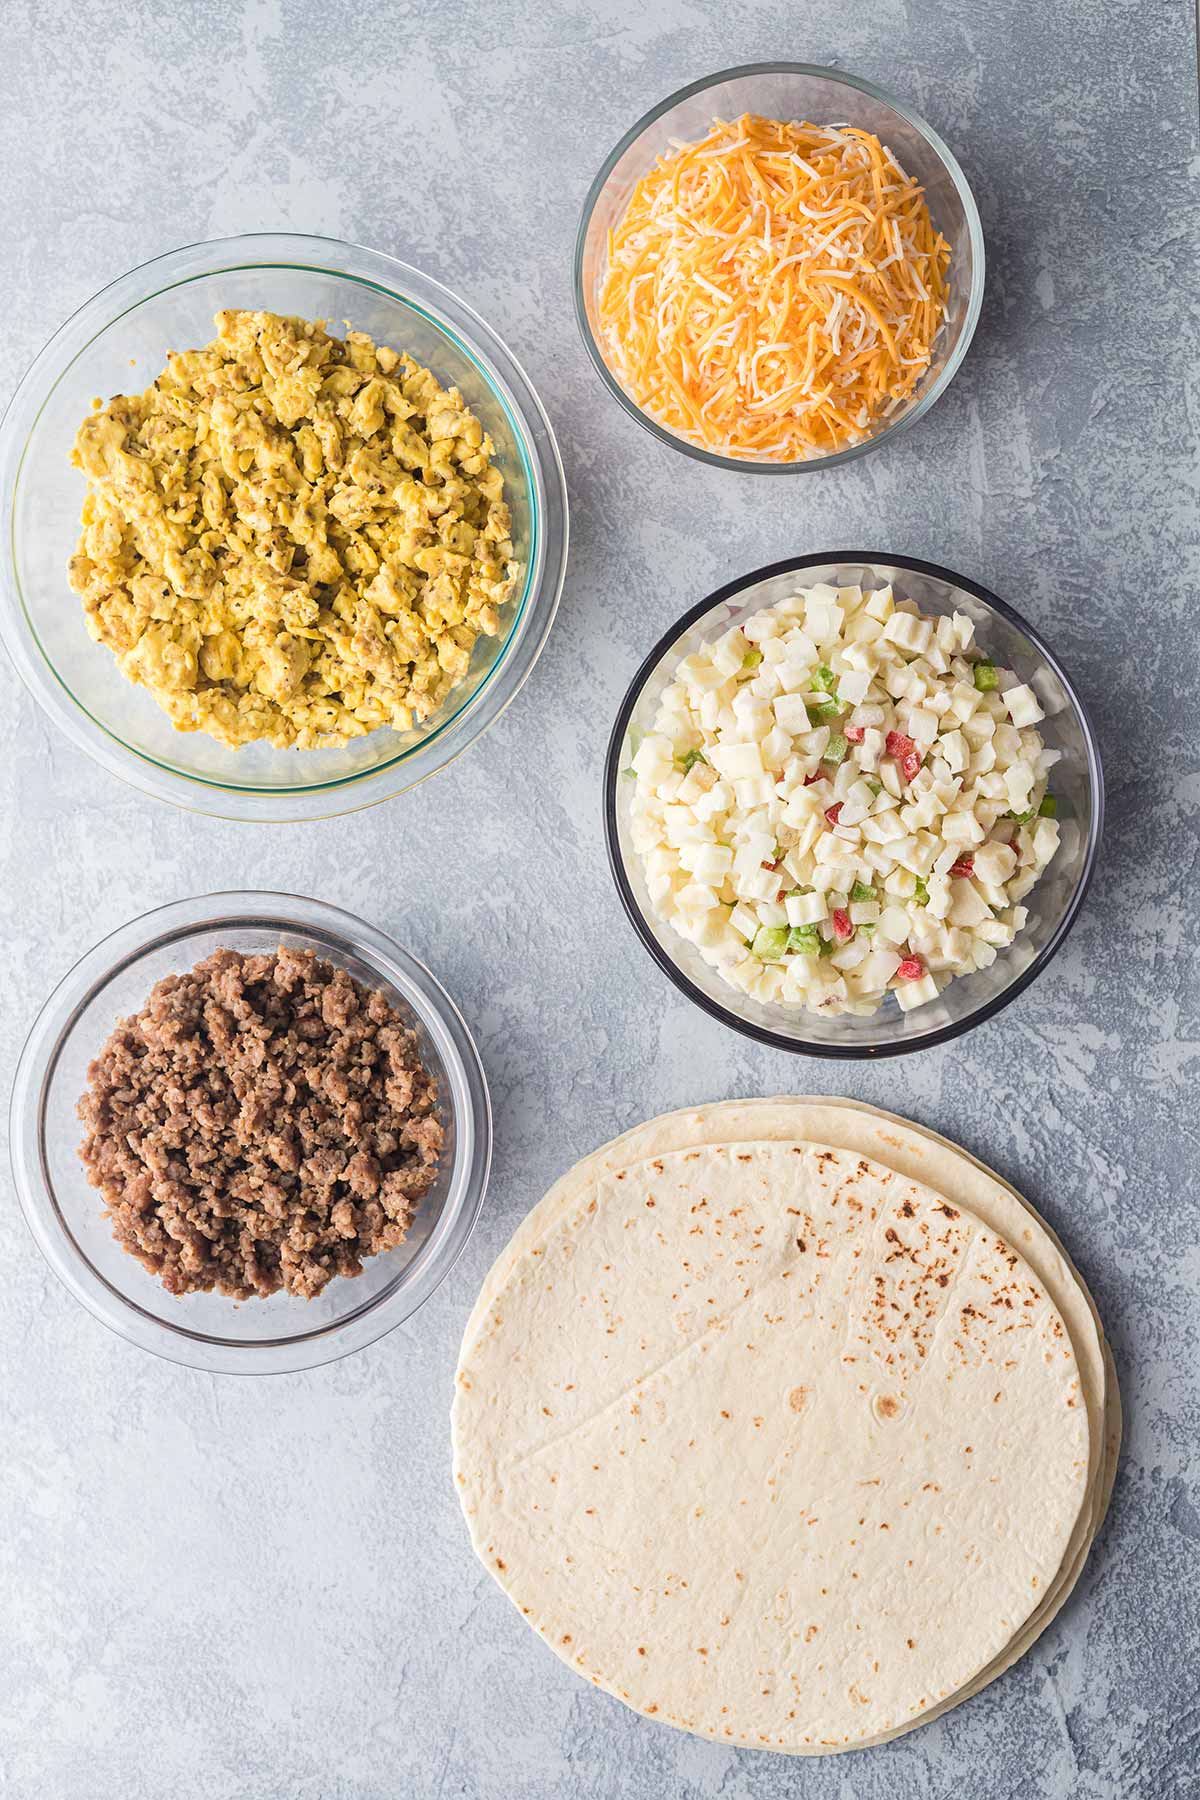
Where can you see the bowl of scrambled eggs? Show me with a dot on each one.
(289, 527)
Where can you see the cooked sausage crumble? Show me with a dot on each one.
(264, 1122)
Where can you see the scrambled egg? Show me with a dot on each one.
(291, 537)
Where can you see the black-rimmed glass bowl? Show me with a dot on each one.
(1053, 902)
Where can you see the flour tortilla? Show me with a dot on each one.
(966, 1429)
(915, 1151)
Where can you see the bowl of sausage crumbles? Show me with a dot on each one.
(250, 1132)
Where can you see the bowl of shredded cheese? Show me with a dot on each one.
(852, 804)
(778, 268)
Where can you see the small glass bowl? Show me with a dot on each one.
(1053, 902)
(790, 91)
(119, 341)
(66, 1215)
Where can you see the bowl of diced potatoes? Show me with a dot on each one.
(852, 804)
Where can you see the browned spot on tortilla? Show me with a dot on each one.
(907, 1210)
(649, 1203)
(500, 1563)
(801, 1245)
(798, 1399)
(566, 1637)
(912, 1643)
(888, 1405)
(641, 1649)
(950, 1211)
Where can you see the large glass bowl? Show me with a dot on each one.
(65, 1213)
(1053, 902)
(119, 341)
(790, 91)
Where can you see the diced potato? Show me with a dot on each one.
(915, 993)
(1022, 704)
(805, 909)
(765, 790)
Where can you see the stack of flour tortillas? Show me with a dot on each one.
(786, 1422)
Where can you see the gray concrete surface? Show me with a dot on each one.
(263, 1590)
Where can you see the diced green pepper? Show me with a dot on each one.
(825, 680)
(987, 678)
(804, 940)
(862, 890)
(822, 711)
(921, 892)
(770, 942)
(690, 760)
(835, 749)
(876, 787)
(1047, 810)
(752, 659)
(866, 930)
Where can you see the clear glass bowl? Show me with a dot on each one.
(1054, 901)
(65, 1213)
(790, 91)
(120, 340)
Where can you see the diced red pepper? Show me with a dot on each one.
(854, 734)
(910, 765)
(963, 867)
(899, 746)
(770, 865)
(910, 969)
(843, 930)
(833, 813)
(810, 779)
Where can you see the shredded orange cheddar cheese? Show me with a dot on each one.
(774, 291)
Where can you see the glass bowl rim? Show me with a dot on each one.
(748, 465)
(340, 932)
(944, 1034)
(455, 320)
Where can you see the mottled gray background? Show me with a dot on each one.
(263, 1590)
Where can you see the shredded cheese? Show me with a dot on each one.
(774, 291)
